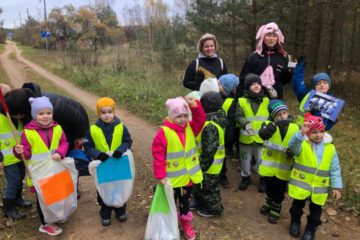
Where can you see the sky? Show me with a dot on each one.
(14, 10)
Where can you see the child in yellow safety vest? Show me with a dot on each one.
(251, 112)
(276, 158)
(108, 134)
(227, 85)
(175, 154)
(42, 135)
(315, 171)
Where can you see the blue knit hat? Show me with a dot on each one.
(38, 104)
(276, 106)
(320, 76)
(229, 82)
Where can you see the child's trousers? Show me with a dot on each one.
(296, 211)
(105, 211)
(275, 189)
(182, 195)
(247, 151)
(14, 175)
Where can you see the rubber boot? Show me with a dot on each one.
(274, 214)
(262, 187)
(245, 182)
(186, 225)
(265, 209)
(310, 230)
(20, 202)
(10, 210)
(295, 228)
(224, 181)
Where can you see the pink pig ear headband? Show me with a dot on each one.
(269, 28)
(315, 123)
(176, 107)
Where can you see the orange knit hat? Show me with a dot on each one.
(104, 102)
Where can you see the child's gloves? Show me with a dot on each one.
(267, 131)
(249, 129)
(103, 157)
(289, 154)
(117, 154)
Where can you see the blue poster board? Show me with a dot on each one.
(114, 169)
(327, 105)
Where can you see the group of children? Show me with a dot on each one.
(190, 148)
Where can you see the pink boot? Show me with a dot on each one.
(186, 226)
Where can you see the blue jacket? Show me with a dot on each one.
(108, 130)
(301, 90)
(295, 144)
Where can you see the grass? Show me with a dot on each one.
(139, 84)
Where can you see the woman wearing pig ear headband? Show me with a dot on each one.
(315, 172)
(269, 61)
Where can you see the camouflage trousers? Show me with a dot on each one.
(207, 194)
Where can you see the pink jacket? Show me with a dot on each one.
(43, 132)
(159, 144)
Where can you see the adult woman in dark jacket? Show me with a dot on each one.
(269, 52)
(206, 65)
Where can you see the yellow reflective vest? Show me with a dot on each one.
(307, 178)
(100, 141)
(39, 150)
(7, 141)
(255, 119)
(300, 117)
(219, 156)
(182, 163)
(274, 161)
(227, 104)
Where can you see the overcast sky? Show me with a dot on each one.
(13, 10)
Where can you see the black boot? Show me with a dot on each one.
(310, 230)
(245, 182)
(262, 187)
(224, 181)
(295, 228)
(10, 210)
(274, 214)
(20, 202)
(265, 209)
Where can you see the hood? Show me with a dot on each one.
(101, 124)
(168, 123)
(219, 117)
(34, 87)
(32, 125)
(327, 138)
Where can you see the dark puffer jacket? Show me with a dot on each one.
(213, 65)
(69, 114)
(256, 64)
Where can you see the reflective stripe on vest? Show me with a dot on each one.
(7, 141)
(182, 162)
(39, 150)
(227, 104)
(256, 120)
(99, 139)
(307, 179)
(274, 161)
(300, 117)
(219, 156)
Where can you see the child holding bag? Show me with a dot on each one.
(108, 134)
(42, 136)
(175, 155)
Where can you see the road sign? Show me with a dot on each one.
(45, 34)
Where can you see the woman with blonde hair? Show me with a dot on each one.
(207, 65)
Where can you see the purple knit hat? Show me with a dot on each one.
(38, 104)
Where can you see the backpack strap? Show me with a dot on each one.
(197, 64)
(222, 64)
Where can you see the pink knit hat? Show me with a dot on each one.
(269, 28)
(176, 106)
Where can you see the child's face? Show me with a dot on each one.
(281, 115)
(107, 114)
(322, 86)
(255, 87)
(181, 119)
(44, 117)
(270, 39)
(316, 136)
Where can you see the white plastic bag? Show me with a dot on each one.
(114, 178)
(162, 223)
(55, 183)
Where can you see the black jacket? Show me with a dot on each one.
(70, 114)
(213, 65)
(256, 64)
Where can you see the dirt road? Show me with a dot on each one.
(241, 218)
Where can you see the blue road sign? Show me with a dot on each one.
(45, 34)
